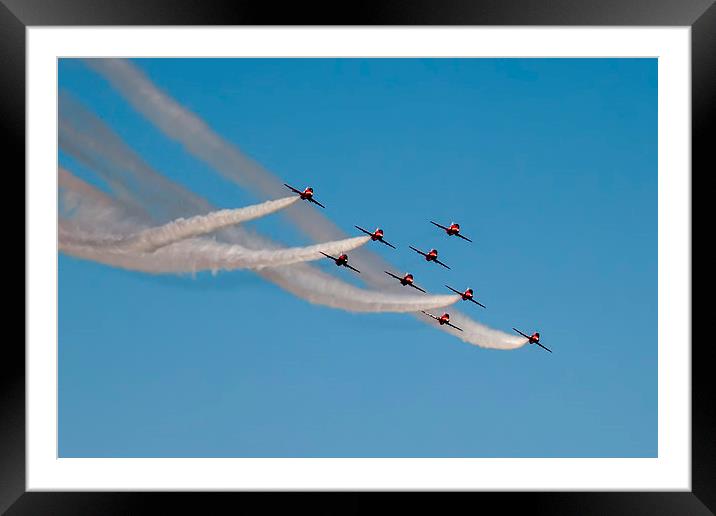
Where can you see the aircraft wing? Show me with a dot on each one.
(518, 331)
(363, 230)
(463, 237)
(438, 225)
(393, 275)
(299, 192)
(387, 243)
(456, 291)
(351, 268)
(415, 286)
(543, 347)
(431, 315)
(478, 303)
(314, 201)
(441, 263)
(451, 324)
(329, 256)
(417, 250)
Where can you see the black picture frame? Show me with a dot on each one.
(17, 15)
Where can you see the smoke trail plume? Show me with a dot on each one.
(88, 207)
(175, 249)
(181, 229)
(87, 139)
(198, 254)
(202, 254)
(186, 128)
(201, 141)
(477, 334)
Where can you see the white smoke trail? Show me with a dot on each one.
(195, 255)
(88, 207)
(199, 254)
(200, 140)
(175, 251)
(188, 256)
(181, 229)
(477, 334)
(91, 142)
(347, 297)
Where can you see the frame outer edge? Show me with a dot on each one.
(12, 379)
(703, 112)
(12, 120)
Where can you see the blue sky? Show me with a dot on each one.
(549, 165)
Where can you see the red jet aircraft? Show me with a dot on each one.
(466, 296)
(533, 339)
(341, 260)
(453, 229)
(306, 195)
(405, 280)
(432, 256)
(443, 319)
(375, 235)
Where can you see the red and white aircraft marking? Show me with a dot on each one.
(453, 229)
(341, 260)
(466, 296)
(375, 235)
(405, 280)
(533, 339)
(432, 256)
(306, 195)
(443, 319)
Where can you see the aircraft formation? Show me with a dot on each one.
(408, 280)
